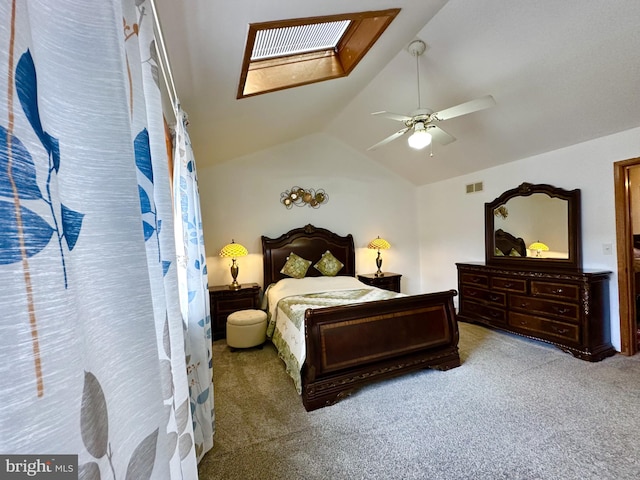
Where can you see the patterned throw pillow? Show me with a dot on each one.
(295, 266)
(328, 265)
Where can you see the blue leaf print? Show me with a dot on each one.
(203, 396)
(165, 267)
(35, 234)
(145, 202)
(159, 226)
(143, 154)
(190, 166)
(201, 323)
(148, 230)
(191, 295)
(71, 225)
(27, 89)
(23, 171)
(196, 264)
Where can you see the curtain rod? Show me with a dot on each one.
(164, 61)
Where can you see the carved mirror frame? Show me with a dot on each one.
(572, 197)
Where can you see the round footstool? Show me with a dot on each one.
(246, 328)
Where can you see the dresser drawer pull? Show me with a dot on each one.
(524, 304)
(508, 285)
(561, 310)
(494, 298)
(475, 279)
(556, 290)
(495, 315)
(472, 293)
(561, 331)
(524, 322)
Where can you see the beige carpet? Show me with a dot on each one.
(515, 409)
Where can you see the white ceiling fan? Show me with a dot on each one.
(423, 120)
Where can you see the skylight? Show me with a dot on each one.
(277, 42)
(290, 53)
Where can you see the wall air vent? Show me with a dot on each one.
(474, 187)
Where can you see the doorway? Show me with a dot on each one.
(627, 205)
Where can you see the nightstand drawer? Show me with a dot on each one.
(389, 281)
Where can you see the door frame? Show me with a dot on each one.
(624, 248)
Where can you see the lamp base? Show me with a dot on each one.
(234, 274)
(379, 273)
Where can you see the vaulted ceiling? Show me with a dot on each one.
(561, 72)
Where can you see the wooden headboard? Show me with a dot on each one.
(505, 242)
(310, 243)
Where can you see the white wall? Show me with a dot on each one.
(451, 222)
(241, 200)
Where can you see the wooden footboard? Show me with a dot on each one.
(350, 346)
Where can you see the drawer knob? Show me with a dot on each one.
(494, 298)
(559, 330)
(561, 310)
(508, 285)
(556, 290)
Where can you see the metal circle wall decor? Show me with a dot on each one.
(300, 197)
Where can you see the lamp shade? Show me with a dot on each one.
(233, 250)
(379, 244)
(420, 137)
(538, 246)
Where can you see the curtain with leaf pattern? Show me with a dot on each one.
(92, 337)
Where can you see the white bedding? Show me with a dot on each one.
(286, 319)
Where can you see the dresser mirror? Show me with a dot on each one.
(534, 226)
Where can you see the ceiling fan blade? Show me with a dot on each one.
(390, 138)
(440, 136)
(465, 108)
(393, 116)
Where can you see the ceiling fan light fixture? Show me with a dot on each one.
(420, 137)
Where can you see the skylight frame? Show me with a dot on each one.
(287, 71)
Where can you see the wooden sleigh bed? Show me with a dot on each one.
(353, 345)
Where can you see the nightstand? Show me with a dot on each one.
(224, 301)
(390, 281)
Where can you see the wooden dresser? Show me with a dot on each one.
(567, 308)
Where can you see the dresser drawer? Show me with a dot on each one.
(557, 290)
(509, 284)
(549, 329)
(564, 311)
(480, 311)
(475, 279)
(474, 293)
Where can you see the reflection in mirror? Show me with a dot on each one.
(537, 219)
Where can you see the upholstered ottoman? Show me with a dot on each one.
(246, 328)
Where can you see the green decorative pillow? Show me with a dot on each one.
(514, 253)
(498, 252)
(295, 266)
(328, 265)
